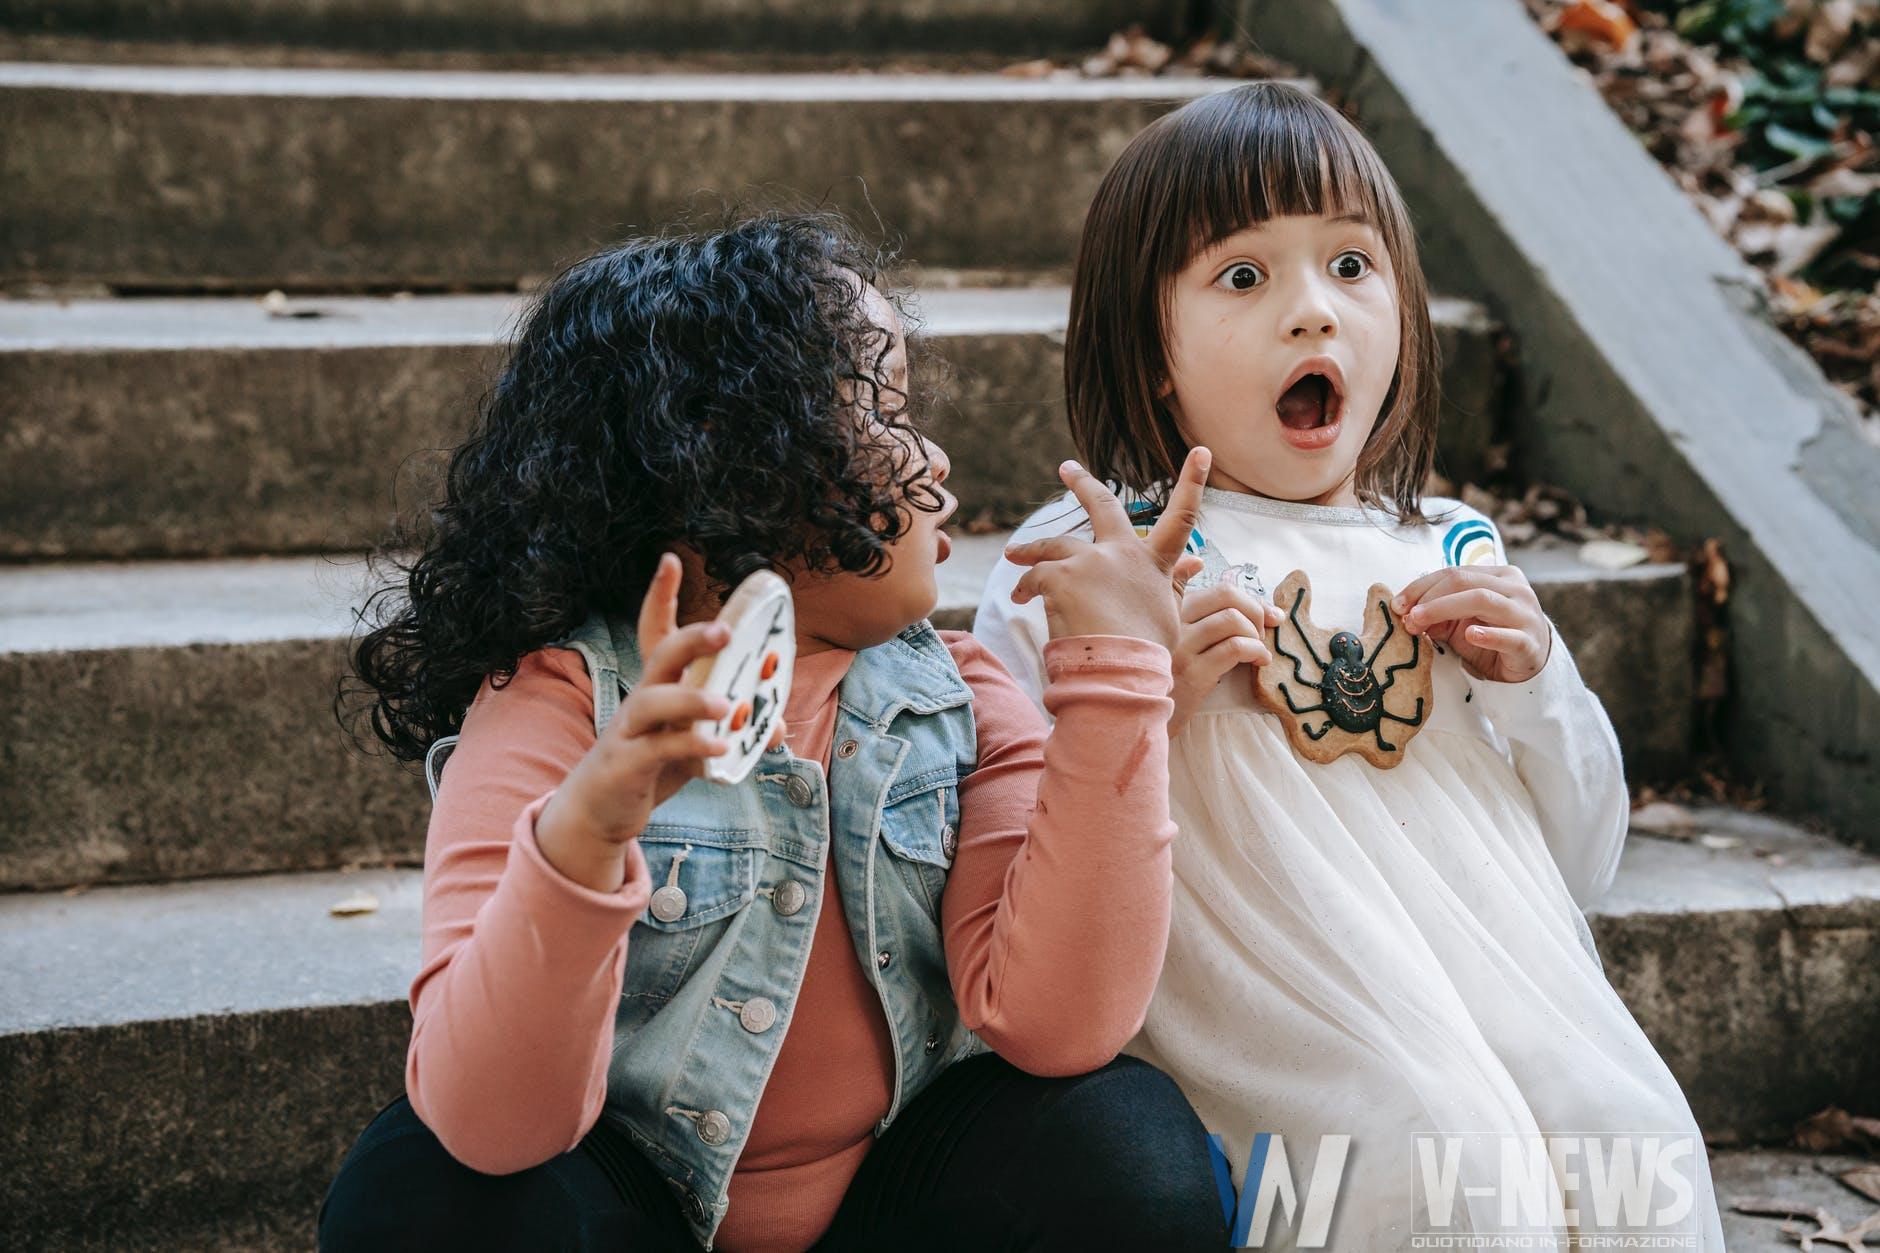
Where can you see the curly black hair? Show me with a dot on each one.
(698, 386)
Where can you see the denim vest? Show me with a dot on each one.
(713, 969)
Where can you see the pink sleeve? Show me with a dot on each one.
(513, 1006)
(1056, 910)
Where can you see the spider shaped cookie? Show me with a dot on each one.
(1344, 704)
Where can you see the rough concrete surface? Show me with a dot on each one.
(199, 179)
(214, 427)
(172, 719)
(1015, 28)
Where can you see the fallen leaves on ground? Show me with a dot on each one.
(355, 902)
(1828, 1228)
(1834, 1130)
(1764, 114)
(1133, 53)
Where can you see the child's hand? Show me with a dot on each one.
(1222, 626)
(1118, 584)
(1488, 614)
(650, 749)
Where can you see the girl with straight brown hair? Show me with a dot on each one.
(1377, 929)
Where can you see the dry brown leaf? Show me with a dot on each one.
(1828, 28)
(1609, 554)
(1864, 1180)
(357, 902)
(1713, 572)
(1833, 1129)
(1828, 1228)
(1601, 20)
(1666, 819)
(1040, 68)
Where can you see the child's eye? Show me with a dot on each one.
(1241, 276)
(1351, 264)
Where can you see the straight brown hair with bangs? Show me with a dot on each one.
(1217, 165)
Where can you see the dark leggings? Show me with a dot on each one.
(986, 1157)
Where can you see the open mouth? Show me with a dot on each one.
(1308, 404)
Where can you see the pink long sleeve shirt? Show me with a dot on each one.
(1055, 921)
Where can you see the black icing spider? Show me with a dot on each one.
(1350, 694)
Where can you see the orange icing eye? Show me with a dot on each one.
(769, 667)
(740, 716)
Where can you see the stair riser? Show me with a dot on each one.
(213, 1133)
(150, 190)
(215, 451)
(256, 1111)
(1764, 1018)
(142, 764)
(1011, 28)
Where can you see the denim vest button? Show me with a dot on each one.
(933, 1041)
(694, 1208)
(758, 1015)
(847, 748)
(714, 1127)
(790, 897)
(669, 903)
(883, 958)
(949, 840)
(801, 794)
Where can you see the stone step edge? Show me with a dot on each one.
(313, 321)
(95, 606)
(111, 956)
(219, 81)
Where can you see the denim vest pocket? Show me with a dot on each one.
(716, 879)
(920, 825)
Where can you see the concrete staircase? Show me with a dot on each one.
(189, 475)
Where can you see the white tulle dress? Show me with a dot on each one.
(1392, 953)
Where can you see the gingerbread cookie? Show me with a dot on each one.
(1338, 692)
(752, 672)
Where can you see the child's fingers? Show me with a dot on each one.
(1107, 520)
(777, 736)
(660, 705)
(681, 647)
(659, 608)
(1051, 548)
(1031, 584)
(1485, 603)
(1497, 639)
(666, 748)
(1198, 605)
(1217, 626)
(1186, 567)
(1233, 651)
(1183, 512)
(1448, 579)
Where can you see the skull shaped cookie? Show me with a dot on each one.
(752, 672)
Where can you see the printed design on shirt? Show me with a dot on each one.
(1194, 544)
(1469, 543)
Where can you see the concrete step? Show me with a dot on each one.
(188, 1063)
(166, 720)
(202, 179)
(669, 28)
(220, 426)
(1788, 1175)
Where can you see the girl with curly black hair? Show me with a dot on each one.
(794, 1045)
